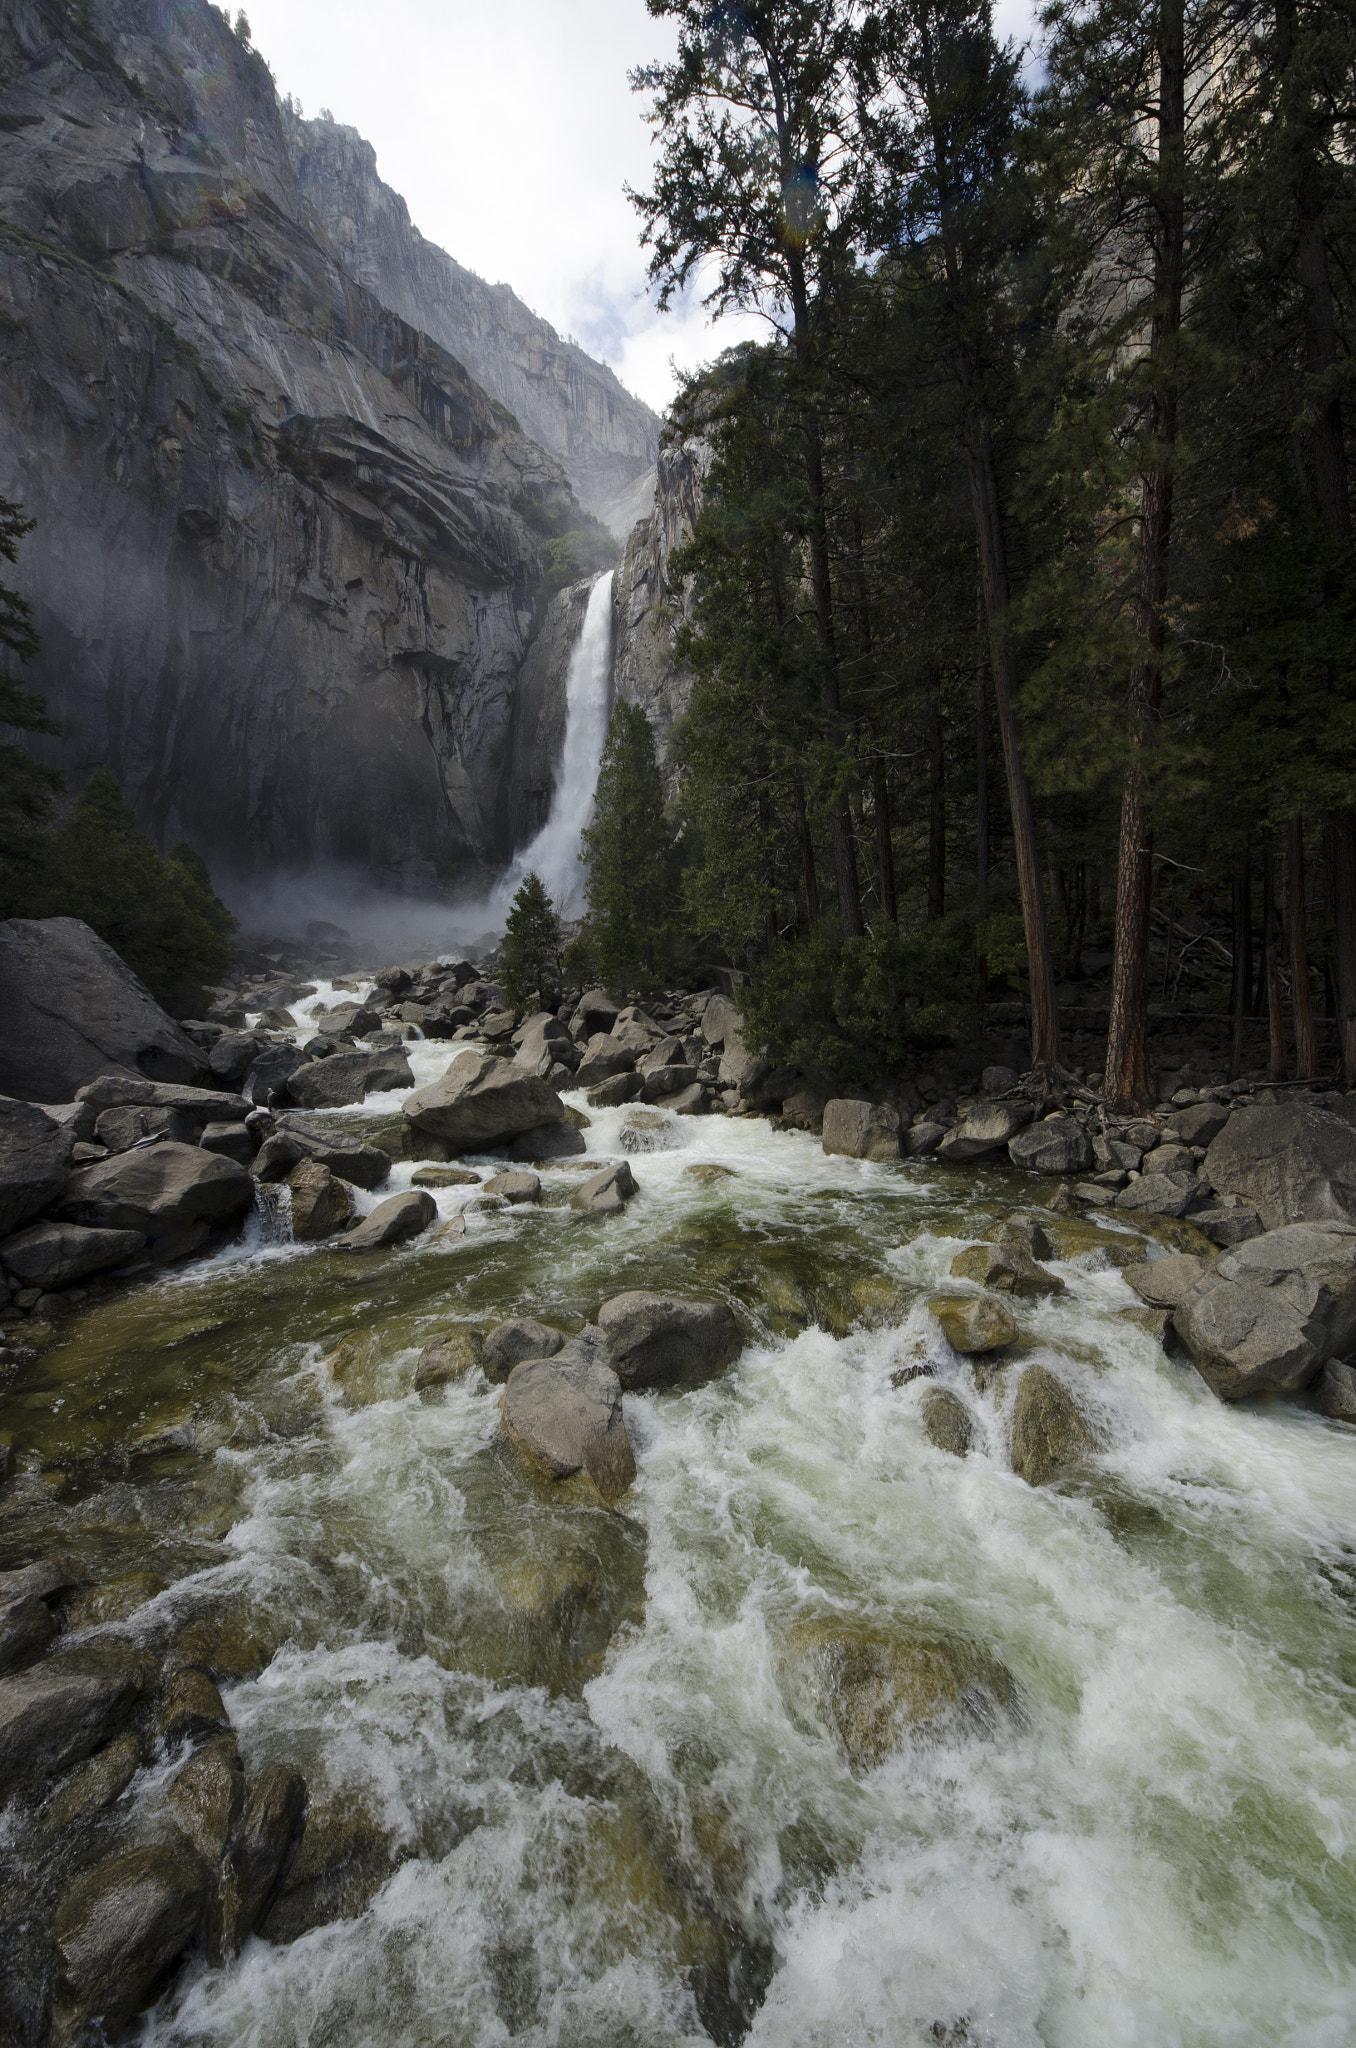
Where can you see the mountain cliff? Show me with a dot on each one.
(647, 609)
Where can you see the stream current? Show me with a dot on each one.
(608, 1812)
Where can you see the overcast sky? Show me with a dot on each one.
(510, 130)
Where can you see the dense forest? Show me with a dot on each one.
(1020, 606)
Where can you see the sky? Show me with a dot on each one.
(510, 130)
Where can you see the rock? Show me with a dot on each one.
(595, 1012)
(1023, 1229)
(511, 1342)
(1049, 1430)
(1058, 1144)
(1164, 1282)
(27, 1626)
(117, 1933)
(1201, 1123)
(1153, 1194)
(35, 1155)
(998, 1080)
(974, 1324)
(1295, 1160)
(988, 1127)
(232, 1141)
(118, 1130)
(690, 1101)
(1094, 1192)
(59, 1711)
(1169, 1158)
(59, 1254)
(861, 1130)
(190, 1708)
(96, 1784)
(1156, 1322)
(339, 1864)
(661, 1082)
(118, 1091)
(514, 1187)
(875, 1688)
(1335, 1391)
(1006, 1269)
(565, 1416)
(613, 1093)
(1112, 1154)
(72, 1010)
(605, 1193)
(667, 1340)
(348, 1077)
(1268, 1314)
(547, 1142)
(921, 1140)
(647, 1131)
(721, 1024)
(321, 1204)
(445, 1177)
(233, 1054)
(450, 1356)
(160, 1191)
(1228, 1223)
(265, 1843)
(804, 1108)
(947, 1421)
(708, 1172)
(480, 1101)
(207, 1797)
(393, 1221)
(267, 1078)
(347, 1156)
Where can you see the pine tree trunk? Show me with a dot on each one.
(1272, 965)
(885, 849)
(937, 822)
(807, 856)
(1342, 855)
(981, 794)
(1240, 988)
(1300, 996)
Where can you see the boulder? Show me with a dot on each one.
(1115, 1155)
(348, 1077)
(605, 1193)
(989, 1127)
(634, 1033)
(1164, 1282)
(1269, 1314)
(118, 1130)
(340, 1862)
(1295, 1160)
(481, 1101)
(445, 1177)
(347, 1156)
(450, 1356)
(94, 1785)
(393, 1221)
(35, 1157)
(27, 1626)
(62, 1709)
(1200, 1123)
(207, 1797)
(1155, 1194)
(690, 1101)
(59, 1254)
(268, 1077)
(117, 1933)
(1049, 1430)
(613, 1093)
(1058, 1144)
(547, 1142)
(921, 1140)
(72, 1010)
(1155, 1322)
(875, 1688)
(1228, 1223)
(974, 1324)
(265, 1842)
(1169, 1158)
(158, 1191)
(565, 1416)
(668, 1340)
(861, 1130)
(998, 1080)
(204, 1105)
(721, 1023)
(232, 1141)
(511, 1342)
(321, 1203)
(190, 1708)
(947, 1422)
(1335, 1391)
(601, 1059)
(1005, 1269)
(233, 1054)
(1027, 1232)
(594, 1012)
(514, 1187)
(662, 1082)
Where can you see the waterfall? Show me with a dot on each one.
(554, 853)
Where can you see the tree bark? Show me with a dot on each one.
(1240, 989)
(937, 821)
(885, 847)
(807, 856)
(981, 794)
(1271, 960)
(1296, 927)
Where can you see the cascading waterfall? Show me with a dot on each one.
(554, 853)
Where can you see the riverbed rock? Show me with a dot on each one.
(72, 1010)
(348, 1077)
(513, 1341)
(35, 1157)
(158, 1191)
(668, 1340)
(260, 1856)
(1228, 1222)
(321, 1204)
(595, 1012)
(1005, 1269)
(267, 1079)
(920, 1141)
(548, 1142)
(616, 1091)
(1335, 1391)
(190, 1708)
(1268, 1314)
(118, 1931)
(1026, 1231)
(947, 1421)
(392, 1222)
(58, 1254)
(233, 1141)
(1164, 1282)
(1200, 1123)
(874, 1688)
(207, 1796)
(662, 1082)
(1155, 1322)
(514, 1187)
(1058, 1144)
(118, 1130)
(606, 1193)
(861, 1130)
(234, 1053)
(96, 1783)
(1158, 1194)
(480, 1101)
(27, 1626)
(988, 1127)
(347, 1156)
(61, 1710)
(565, 1416)
(1295, 1160)
(341, 1861)
(1050, 1432)
(445, 1177)
(973, 1324)
(450, 1356)
(128, 1091)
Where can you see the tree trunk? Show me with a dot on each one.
(1297, 932)
(1129, 1086)
(1342, 855)
(1240, 989)
(937, 822)
(807, 856)
(981, 792)
(1271, 960)
(885, 848)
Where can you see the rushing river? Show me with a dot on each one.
(615, 1815)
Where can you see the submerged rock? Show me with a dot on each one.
(450, 1356)
(565, 1416)
(947, 1421)
(393, 1221)
(874, 1688)
(1049, 1430)
(117, 1933)
(1006, 1269)
(667, 1340)
(515, 1340)
(974, 1324)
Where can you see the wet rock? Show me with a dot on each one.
(861, 1130)
(58, 1254)
(988, 1127)
(260, 1856)
(1026, 1231)
(974, 1323)
(450, 1356)
(117, 1933)
(668, 1340)
(920, 1141)
(1335, 1391)
(207, 1797)
(547, 1142)
(1005, 1269)
(190, 1708)
(445, 1177)
(72, 1010)
(947, 1421)
(1164, 1282)
(1155, 1322)
(341, 1862)
(1295, 1160)
(27, 1626)
(94, 1785)
(1049, 1430)
(708, 1171)
(267, 1077)
(874, 1689)
(321, 1204)
(647, 1130)
(514, 1187)
(393, 1221)
(511, 1343)
(565, 1416)
(1269, 1313)
(347, 1156)
(61, 1710)
(1058, 1144)
(346, 1078)
(1228, 1223)
(114, 1599)
(693, 1100)
(233, 1054)
(606, 1193)
(1156, 1194)
(158, 1191)
(35, 1155)
(481, 1101)
(613, 1093)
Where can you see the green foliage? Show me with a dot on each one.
(632, 860)
(529, 959)
(859, 1007)
(574, 544)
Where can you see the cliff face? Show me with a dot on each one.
(646, 613)
(287, 547)
(539, 708)
(604, 439)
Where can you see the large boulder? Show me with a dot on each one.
(58, 1254)
(667, 1340)
(348, 1156)
(321, 1203)
(974, 1324)
(1295, 1161)
(511, 1343)
(1268, 1314)
(202, 1105)
(72, 1010)
(1200, 1123)
(62, 1709)
(1162, 1194)
(601, 1059)
(548, 1142)
(160, 1190)
(481, 1101)
(35, 1156)
(721, 1023)
(1165, 1282)
(988, 1127)
(565, 1415)
(1049, 1430)
(605, 1193)
(266, 1840)
(393, 1221)
(1058, 1144)
(861, 1130)
(947, 1421)
(875, 1688)
(117, 1932)
(594, 1012)
(348, 1077)
(1007, 1269)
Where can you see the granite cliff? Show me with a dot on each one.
(647, 608)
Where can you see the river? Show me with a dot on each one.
(616, 1814)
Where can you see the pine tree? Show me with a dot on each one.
(632, 859)
(529, 959)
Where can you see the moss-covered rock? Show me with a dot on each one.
(973, 1324)
(1050, 1432)
(875, 1686)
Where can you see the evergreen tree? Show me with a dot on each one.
(632, 860)
(529, 959)
(26, 787)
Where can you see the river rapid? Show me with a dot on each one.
(612, 1812)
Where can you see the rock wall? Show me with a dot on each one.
(287, 547)
(604, 439)
(539, 716)
(646, 612)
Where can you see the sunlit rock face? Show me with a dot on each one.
(646, 610)
(287, 548)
